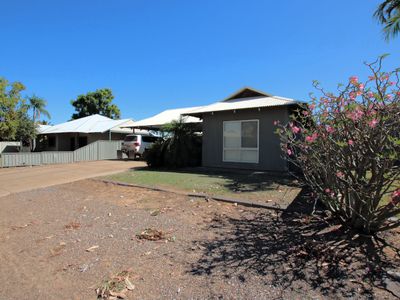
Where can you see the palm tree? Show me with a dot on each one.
(388, 14)
(38, 105)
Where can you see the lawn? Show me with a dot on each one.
(258, 186)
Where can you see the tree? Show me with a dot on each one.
(15, 124)
(26, 132)
(388, 14)
(38, 107)
(11, 103)
(348, 149)
(98, 102)
(182, 147)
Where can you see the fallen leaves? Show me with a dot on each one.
(116, 287)
(72, 225)
(151, 235)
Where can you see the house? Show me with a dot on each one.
(74, 134)
(156, 122)
(239, 131)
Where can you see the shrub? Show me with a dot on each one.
(348, 145)
(182, 147)
(154, 155)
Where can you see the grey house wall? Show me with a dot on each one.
(269, 148)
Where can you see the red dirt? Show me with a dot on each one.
(62, 242)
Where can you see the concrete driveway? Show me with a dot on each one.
(14, 180)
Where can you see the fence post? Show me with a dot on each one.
(98, 150)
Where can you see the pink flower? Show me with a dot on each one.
(306, 113)
(353, 79)
(330, 129)
(371, 77)
(289, 152)
(361, 86)
(370, 94)
(327, 191)
(276, 122)
(352, 95)
(396, 197)
(340, 174)
(295, 129)
(350, 142)
(311, 138)
(373, 123)
(391, 83)
(389, 97)
(356, 114)
(312, 106)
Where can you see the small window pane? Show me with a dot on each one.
(232, 155)
(232, 133)
(249, 134)
(249, 156)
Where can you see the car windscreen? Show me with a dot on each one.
(130, 138)
(149, 139)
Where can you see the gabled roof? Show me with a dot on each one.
(166, 117)
(91, 124)
(250, 98)
(247, 92)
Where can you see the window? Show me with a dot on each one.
(240, 141)
(51, 141)
(130, 138)
(82, 141)
(150, 139)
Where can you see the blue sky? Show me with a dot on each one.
(164, 54)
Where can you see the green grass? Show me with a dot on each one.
(181, 181)
(251, 184)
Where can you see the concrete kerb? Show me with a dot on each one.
(197, 195)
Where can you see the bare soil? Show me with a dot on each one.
(63, 242)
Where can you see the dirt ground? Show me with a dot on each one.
(210, 250)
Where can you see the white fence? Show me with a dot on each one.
(99, 150)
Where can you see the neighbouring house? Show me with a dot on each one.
(156, 122)
(239, 131)
(74, 134)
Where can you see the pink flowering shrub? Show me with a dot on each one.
(347, 146)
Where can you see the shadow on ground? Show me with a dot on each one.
(296, 251)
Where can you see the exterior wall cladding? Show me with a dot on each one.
(269, 143)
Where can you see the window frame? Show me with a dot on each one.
(241, 148)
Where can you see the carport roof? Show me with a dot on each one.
(91, 124)
(165, 117)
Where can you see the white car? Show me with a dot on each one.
(134, 145)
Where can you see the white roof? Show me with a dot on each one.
(40, 128)
(166, 117)
(90, 124)
(260, 99)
